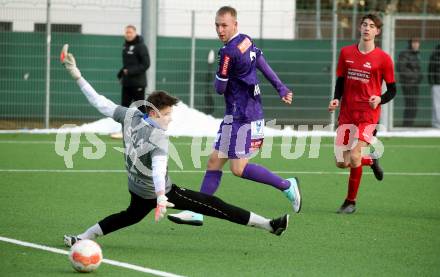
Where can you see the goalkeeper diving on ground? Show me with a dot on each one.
(146, 159)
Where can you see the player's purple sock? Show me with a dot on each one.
(261, 174)
(211, 181)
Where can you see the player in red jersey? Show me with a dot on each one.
(361, 70)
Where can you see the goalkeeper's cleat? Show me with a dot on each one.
(293, 193)
(70, 240)
(69, 62)
(279, 225)
(348, 207)
(187, 217)
(377, 170)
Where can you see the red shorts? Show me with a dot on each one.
(356, 125)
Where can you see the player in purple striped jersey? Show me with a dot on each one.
(241, 131)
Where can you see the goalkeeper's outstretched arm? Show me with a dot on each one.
(100, 102)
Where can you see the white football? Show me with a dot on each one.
(85, 255)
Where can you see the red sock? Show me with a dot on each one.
(367, 160)
(353, 182)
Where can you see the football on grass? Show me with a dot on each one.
(85, 255)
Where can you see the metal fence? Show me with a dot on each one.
(413, 105)
(296, 42)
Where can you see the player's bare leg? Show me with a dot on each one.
(346, 162)
(237, 166)
(216, 161)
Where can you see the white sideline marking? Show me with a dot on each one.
(403, 133)
(212, 140)
(203, 171)
(106, 261)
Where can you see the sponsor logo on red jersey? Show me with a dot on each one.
(359, 75)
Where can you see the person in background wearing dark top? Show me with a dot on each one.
(410, 76)
(132, 75)
(135, 62)
(434, 81)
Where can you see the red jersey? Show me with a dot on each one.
(363, 74)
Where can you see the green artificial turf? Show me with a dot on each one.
(395, 232)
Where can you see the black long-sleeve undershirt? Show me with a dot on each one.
(339, 88)
(385, 98)
(389, 94)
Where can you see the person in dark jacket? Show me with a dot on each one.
(410, 76)
(135, 62)
(434, 81)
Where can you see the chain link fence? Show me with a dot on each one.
(295, 37)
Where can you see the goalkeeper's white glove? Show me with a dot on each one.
(69, 62)
(161, 208)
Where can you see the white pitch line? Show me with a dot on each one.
(203, 171)
(64, 170)
(106, 261)
(436, 146)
